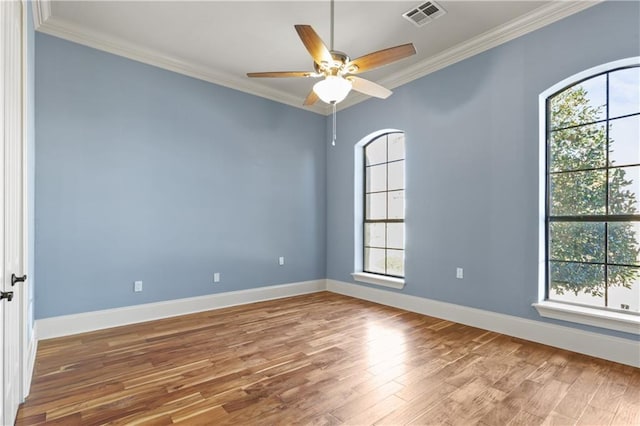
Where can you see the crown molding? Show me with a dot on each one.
(41, 12)
(553, 11)
(51, 25)
(536, 19)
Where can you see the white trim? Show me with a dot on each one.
(90, 321)
(30, 363)
(582, 75)
(41, 12)
(26, 346)
(611, 348)
(615, 349)
(595, 317)
(536, 19)
(358, 207)
(382, 280)
(628, 323)
(57, 27)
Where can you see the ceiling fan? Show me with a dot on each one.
(338, 69)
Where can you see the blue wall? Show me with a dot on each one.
(472, 162)
(144, 174)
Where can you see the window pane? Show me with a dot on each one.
(578, 193)
(376, 207)
(395, 262)
(376, 151)
(623, 244)
(395, 235)
(384, 200)
(624, 141)
(624, 96)
(374, 235)
(376, 178)
(577, 283)
(580, 104)
(396, 175)
(624, 187)
(624, 288)
(577, 241)
(582, 147)
(374, 260)
(396, 205)
(396, 146)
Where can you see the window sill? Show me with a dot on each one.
(378, 280)
(595, 317)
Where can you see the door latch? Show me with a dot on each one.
(15, 279)
(6, 295)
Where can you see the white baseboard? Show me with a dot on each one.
(615, 349)
(31, 363)
(90, 321)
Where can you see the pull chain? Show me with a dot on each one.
(333, 142)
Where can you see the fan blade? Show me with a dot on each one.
(311, 99)
(381, 57)
(314, 44)
(280, 74)
(369, 88)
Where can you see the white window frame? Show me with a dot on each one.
(358, 217)
(619, 321)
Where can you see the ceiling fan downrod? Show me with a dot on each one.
(332, 24)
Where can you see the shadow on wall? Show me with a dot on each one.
(462, 87)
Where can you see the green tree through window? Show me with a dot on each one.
(593, 186)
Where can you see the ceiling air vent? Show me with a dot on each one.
(424, 13)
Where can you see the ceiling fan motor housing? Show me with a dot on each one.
(337, 67)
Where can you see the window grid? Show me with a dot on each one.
(386, 221)
(605, 218)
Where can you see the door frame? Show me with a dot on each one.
(26, 346)
(28, 337)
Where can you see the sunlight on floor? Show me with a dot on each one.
(385, 349)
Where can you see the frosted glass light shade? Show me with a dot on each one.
(332, 89)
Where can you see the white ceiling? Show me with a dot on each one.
(220, 41)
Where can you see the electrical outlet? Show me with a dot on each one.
(216, 277)
(137, 286)
(459, 273)
(281, 260)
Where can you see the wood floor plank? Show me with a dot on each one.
(547, 398)
(416, 407)
(360, 403)
(580, 394)
(595, 416)
(627, 414)
(320, 359)
(556, 419)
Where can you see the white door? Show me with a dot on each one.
(12, 204)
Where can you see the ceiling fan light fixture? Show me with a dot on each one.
(332, 89)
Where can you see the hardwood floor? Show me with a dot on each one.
(321, 359)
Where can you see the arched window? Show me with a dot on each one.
(380, 167)
(592, 203)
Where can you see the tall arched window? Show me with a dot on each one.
(380, 165)
(592, 211)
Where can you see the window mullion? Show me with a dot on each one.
(386, 244)
(607, 210)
